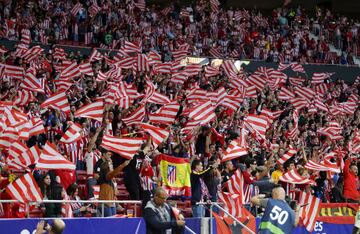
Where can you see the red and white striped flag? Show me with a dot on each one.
(57, 101)
(26, 158)
(285, 94)
(333, 133)
(8, 136)
(215, 53)
(319, 78)
(136, 116)
(211, 71)
(130, 47)
(25, 189)
(163, 68)
(232, 203)
(166, 114)
(232, 102)
(50, 158)
(293, 177)
(179, 54)
(37, 127)
(94, 110)
(283, 66)
(214, 4)
(88, 38)
(71, 71)
(309, 210)
(154, 57)
(25, 36)
(12, 71)
(257, 124)
(76, 8)
(158, 135)
(311, 165)
(297, 68)
(142, 63)
(94, 9)
(96, 191)
(72, 134)
(235, 185)
(86, 69)
(203, 111)
(234, 150)
(289, 154)
(24, 97)
(30, 82)
(95, 55)
(304, 92)
(32, 53)
(125, 147)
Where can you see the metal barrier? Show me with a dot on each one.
(212, 204)
(82, 201)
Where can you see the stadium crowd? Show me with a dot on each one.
(272, 129)
(284, 36)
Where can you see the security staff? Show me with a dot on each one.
(278, 216)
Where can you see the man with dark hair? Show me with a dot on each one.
(159, 216)
(57, 227)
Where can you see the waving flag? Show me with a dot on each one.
(257, 124)
(25, 189)
(309, 209)
(94, 110)
(57, 101)
(136, 116)
(166, 114)
(232, 203)
(37, 127)
(293, 177)
(176, 175)
(289, 154)
(125, 147)
(72, 134)
(234, 151)
(50, 158)
(158, 135)
(311, 165)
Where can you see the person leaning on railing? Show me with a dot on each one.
(278, 216)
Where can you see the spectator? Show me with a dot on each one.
(351, 192)
(159, 216)
(107, 186)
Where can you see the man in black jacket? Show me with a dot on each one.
(159, 216)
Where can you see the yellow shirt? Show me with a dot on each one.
(276, 176)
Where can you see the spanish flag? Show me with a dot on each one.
(175, 173)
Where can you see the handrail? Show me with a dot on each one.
(226, 212)
(102, 202)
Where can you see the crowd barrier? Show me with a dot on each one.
(346, 73)
(137, 226)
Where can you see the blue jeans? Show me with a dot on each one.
(109, 211)
(198, 211)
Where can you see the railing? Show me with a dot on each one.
(212, 204)
(102, 202)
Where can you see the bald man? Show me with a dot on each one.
(278, 216)
(159, 216)
(57, 227)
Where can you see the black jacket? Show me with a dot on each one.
(154, 224)
(196, 185)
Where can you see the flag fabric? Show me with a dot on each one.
(158, 135)
(257, 124)
(293, 177)
(94, 111)
(72, 134)
(25, 189)
(309, 210)
(175, 173)
(311, 165)
(166, 114)
(57, 101)
(50, 158)
(232, 203)
(136, 116)
(235, 185)
(76, 9)
(234, 151)
(125, 147)
(289, 154)
(37, 127)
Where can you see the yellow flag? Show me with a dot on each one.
(175, 173)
